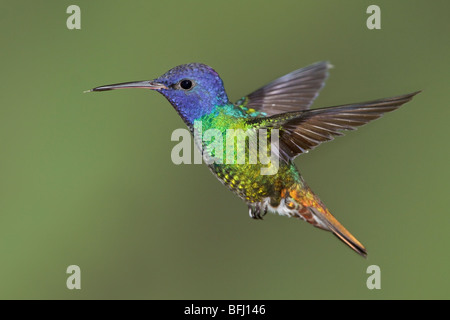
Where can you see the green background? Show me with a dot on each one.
(87, 179)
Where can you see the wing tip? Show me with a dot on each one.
(400, 100)
(409, 96)
(413, 94)
(325, 64)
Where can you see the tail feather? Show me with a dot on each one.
(312, 210)
(326, 219)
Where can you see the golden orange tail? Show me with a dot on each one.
(325, 218)
(312, 210)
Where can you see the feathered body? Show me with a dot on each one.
(197, 93)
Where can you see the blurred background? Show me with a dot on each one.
(87, 179)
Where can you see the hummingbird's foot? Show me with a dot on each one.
(257, 210)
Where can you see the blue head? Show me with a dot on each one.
(193, 89)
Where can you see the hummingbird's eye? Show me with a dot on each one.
(186, 84)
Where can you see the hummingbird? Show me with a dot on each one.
(197, 93)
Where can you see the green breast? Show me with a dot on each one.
(237, 160)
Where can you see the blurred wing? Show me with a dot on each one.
(303, 131)
(295, 91)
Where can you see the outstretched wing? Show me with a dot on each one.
(295, 91)
(303, 131)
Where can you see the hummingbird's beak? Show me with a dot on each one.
(152, 85)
